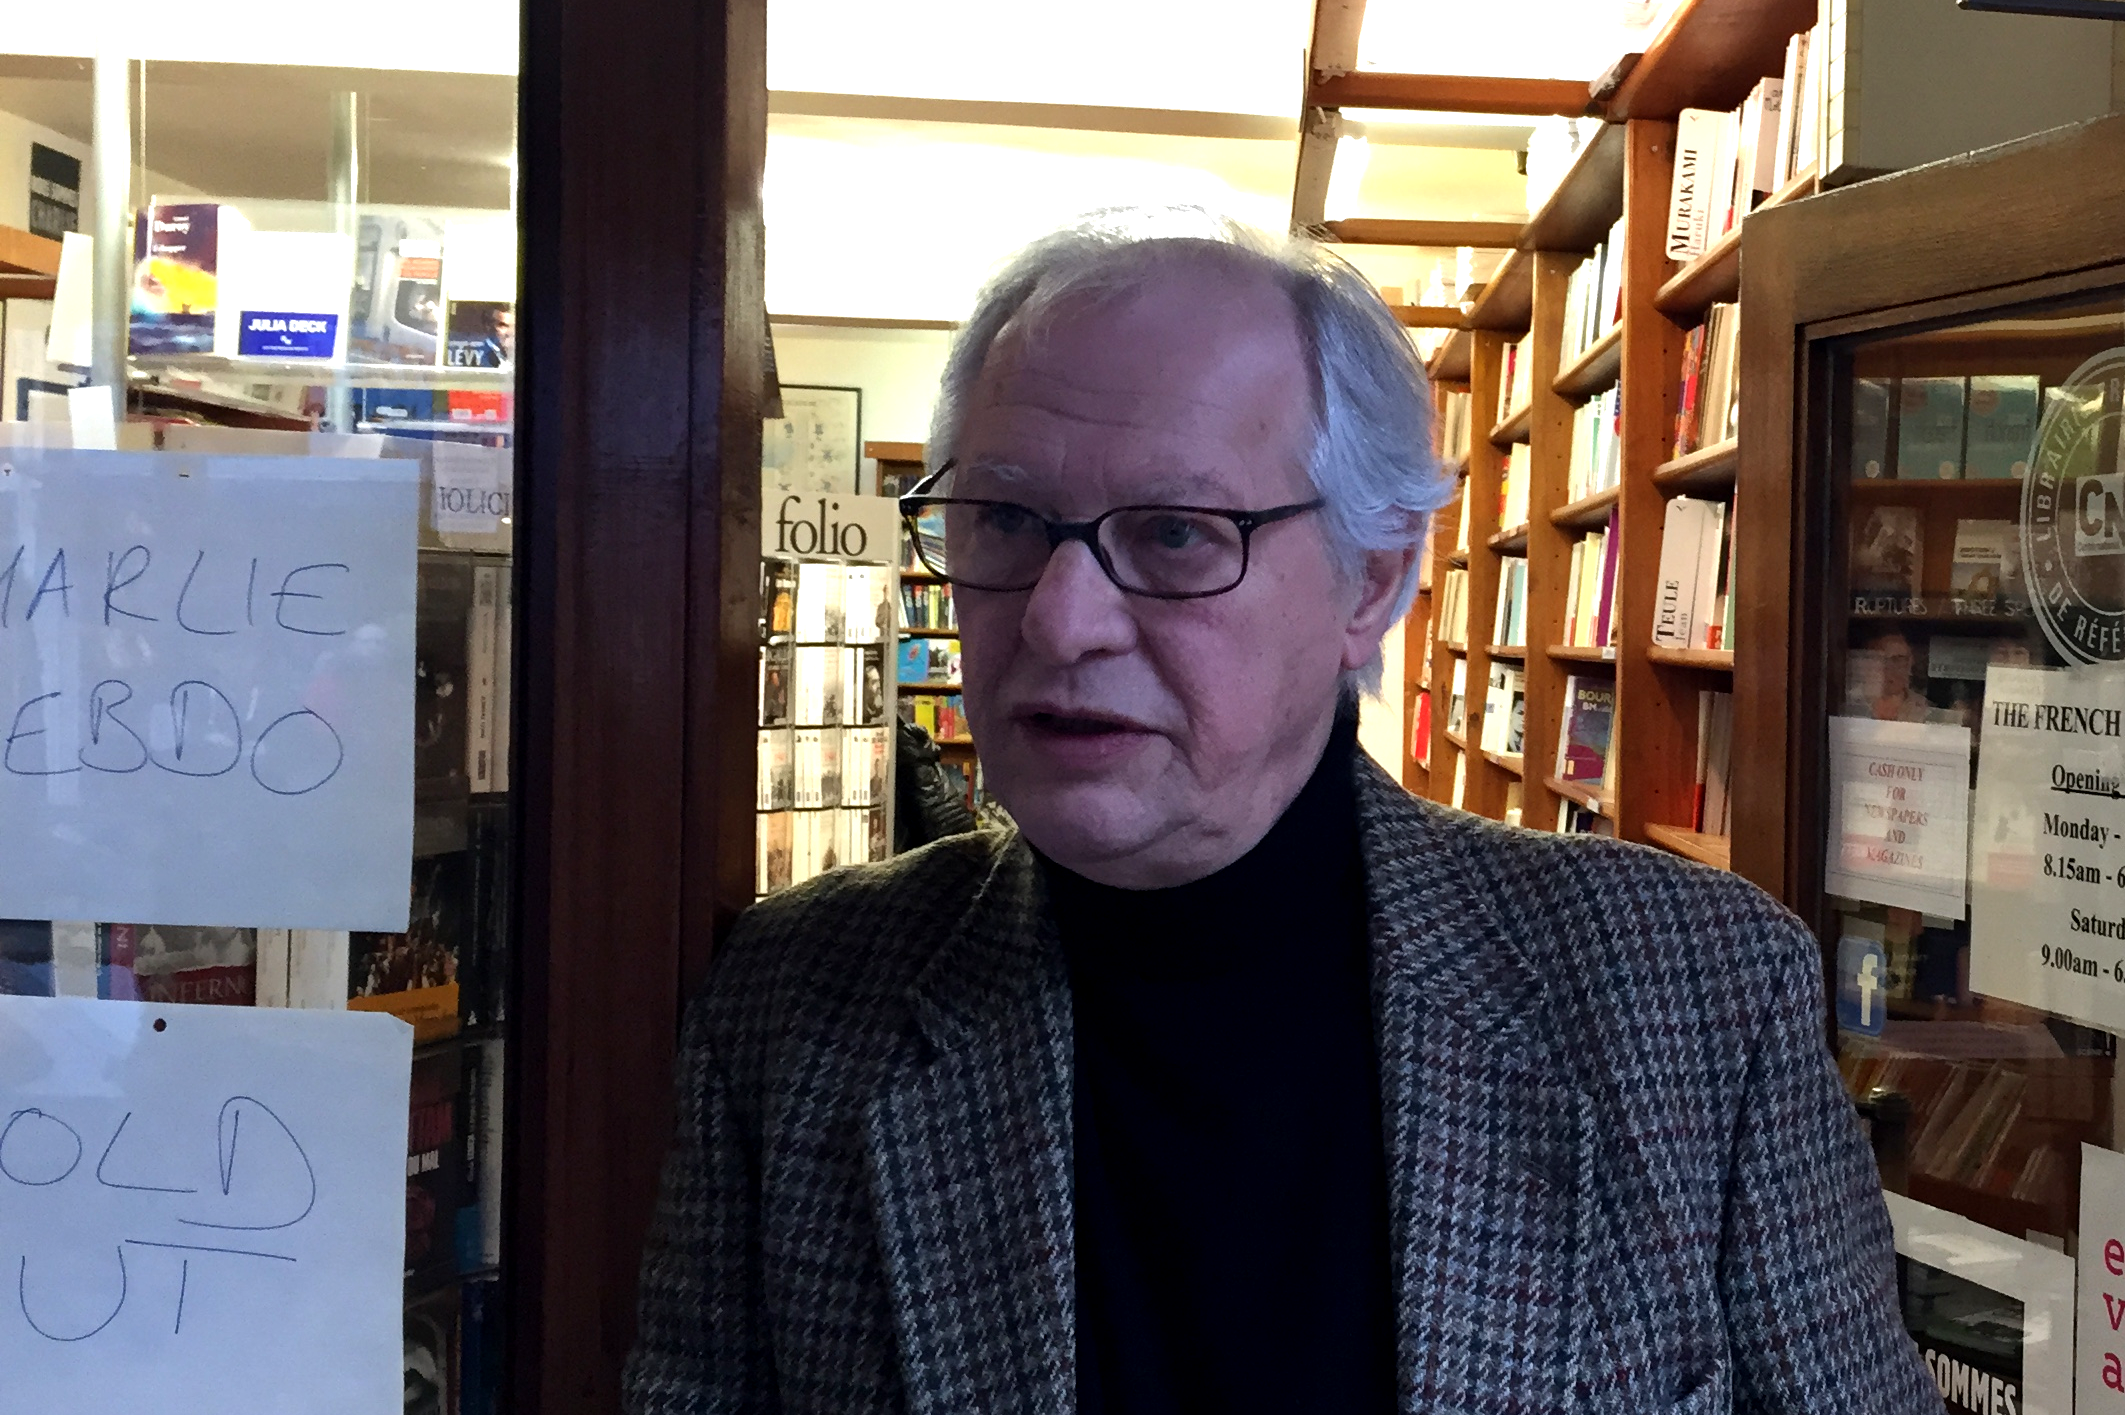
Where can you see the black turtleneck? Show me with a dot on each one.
(1231, 1179)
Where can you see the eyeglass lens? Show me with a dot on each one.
(1151, 550)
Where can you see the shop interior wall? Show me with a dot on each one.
(16, 135)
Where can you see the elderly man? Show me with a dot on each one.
(1236, 1079)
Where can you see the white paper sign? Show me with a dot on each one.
(209, 1216)
(206, 688)
(2047, 858)
(2100, 1365)
(471, 488)
(1899, 814)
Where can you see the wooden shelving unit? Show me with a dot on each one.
(1709, 55)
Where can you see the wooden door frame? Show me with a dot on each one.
(2011, 223)
(642, 343)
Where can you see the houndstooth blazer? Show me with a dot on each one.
(1624, 1175)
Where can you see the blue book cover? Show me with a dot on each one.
(914, 661)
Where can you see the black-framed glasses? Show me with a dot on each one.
(1161, 552)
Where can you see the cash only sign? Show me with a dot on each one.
(2047, 854)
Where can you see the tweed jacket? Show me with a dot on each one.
(1623, 1174)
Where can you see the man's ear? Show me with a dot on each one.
(1384, 574)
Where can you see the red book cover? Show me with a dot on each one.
(1602, 626)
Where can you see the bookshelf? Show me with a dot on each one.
(1710, 54)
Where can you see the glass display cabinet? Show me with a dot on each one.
(1932, 405)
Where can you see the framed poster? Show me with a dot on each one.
(816, 446)
(1992, 1315)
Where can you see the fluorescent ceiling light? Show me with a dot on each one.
(447, 36)
(1537, 39)
(1237, 56)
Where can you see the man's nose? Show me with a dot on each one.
(1074, 611)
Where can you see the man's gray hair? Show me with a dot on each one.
(1372, 461)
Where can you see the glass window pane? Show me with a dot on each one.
(291, 762)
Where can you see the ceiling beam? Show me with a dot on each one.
(1336, 26)
(1452, 93)
(1317, 154)
(1077, 117)
(1490, 235)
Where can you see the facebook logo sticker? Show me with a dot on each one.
(1862, 985)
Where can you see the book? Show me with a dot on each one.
(1888, 555)
(1710, 580)
(177, 276)
(1583, 738)
(1689, 523)
(434, 1170)
(774, 847)
(913, 664)
(1605, 622)
(1985, 576)
(481, 659)
(441, 694)
(2001, 424)
(1871, 401)
(777, 780)
(778, 598)
(25, 958)
(1457, 701)
(480, 334)
(161, 963)
(1929, 429)
(815, 689)
(414, 975)
(819, 610)
(1689, 225)
(777, 667)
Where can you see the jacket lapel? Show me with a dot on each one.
(970, 1164)
(1490, 1153)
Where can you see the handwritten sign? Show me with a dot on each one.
(2047, 861)
(1900, 814)
(206, 688)
(201, 1208)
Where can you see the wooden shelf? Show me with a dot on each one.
(1516, 652)
(1514, 764)
(1707, 470)
(893, 451)
(931, 688)
(1588, 513)
(1713, 850)
(1578, 215)
(24, 254)
(1451, 647)
(954, 633)
(1382, 231)
(1451, 361)
(1715, 277)
(1460, 743)
(1429, 316)
(1709, 660)
(1582, 653)
(921, 577)
(1457, 558)
(1709, 54)
(1594, 372)
(1516, 426)
(1583, 793)
(1507, 304)
(1511, 541)
(965, 742)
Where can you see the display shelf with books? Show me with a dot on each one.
(826, 707)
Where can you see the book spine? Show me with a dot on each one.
(480, 669)
(1689, 195)
(1680, 540)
